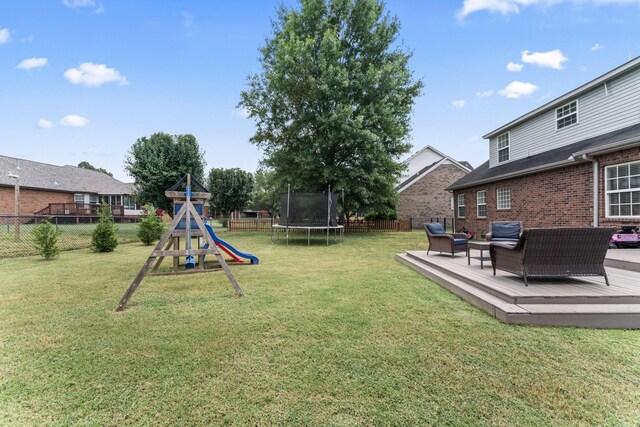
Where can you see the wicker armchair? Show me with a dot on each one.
(441, 241)
(505, 231)
(554, 252)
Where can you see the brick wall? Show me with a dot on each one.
(427, 198)
(556, 198)
(31, 201)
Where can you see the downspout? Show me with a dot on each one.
(596, 171)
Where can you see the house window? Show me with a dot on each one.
(623, 190)
(481, 204)
(93, 198)
(78, 198)
(503, 147)
(460, 205)
(567, 115)
(129, 203)
(503, 197)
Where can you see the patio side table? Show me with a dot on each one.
(480, 246)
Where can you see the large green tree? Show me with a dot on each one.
(230, 189)
(159, 161)
(332, 104)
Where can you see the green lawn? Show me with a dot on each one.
(338, 335)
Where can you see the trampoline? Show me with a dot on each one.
(276, 229)
(307, 212)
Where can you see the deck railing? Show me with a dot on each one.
(78, 209)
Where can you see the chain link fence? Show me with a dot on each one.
(16, 232)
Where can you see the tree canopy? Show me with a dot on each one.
(332, 104)
(87, 165)
(159, 161)
(265, 192)
(230, 189)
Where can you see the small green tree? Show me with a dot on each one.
(104, 238)
(45, 236)
(230, 189)
(150, 228)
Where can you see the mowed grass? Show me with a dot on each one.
(339, 335)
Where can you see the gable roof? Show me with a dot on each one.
(464, 166)
(569, 96)
(560, 157)
(69, 179)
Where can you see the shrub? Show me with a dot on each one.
(45, 236)
(150, 228)
(103, 238)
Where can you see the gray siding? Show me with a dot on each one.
(599, 112)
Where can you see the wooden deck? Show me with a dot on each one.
(580, 301)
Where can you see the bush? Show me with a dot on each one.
(151, 227)
(103, 238)
(45, 237)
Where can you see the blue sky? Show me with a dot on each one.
(83, 79)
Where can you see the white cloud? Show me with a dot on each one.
(485, 94)
(459, 103)
(31, 63)
(5, 35)
(90, 74)
(240, 112)
(75, 4)
(596, 46)
(506, 7)
(503, 7)
(74, 121)
(551, 59)
(516, 89)
(514, 67)
(78, 3)
(44, 124)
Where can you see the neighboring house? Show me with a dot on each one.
(423, 188)
(61, 190)
(575, 161)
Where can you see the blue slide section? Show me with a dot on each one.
(252, 258)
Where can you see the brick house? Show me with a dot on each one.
(575, 161)
(61, 190)
(423, 187)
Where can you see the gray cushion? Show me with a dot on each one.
(505, 231)
(435, 228)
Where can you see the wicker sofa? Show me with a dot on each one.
(441, 241)
(554, 252)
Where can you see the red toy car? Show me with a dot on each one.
(625, 237)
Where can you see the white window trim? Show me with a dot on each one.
(577, 115)
(478, 204)
(508, 147)
(498, 199)
(461, 205)
(607, 192)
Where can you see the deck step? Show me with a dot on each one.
(485, 301)
(591, 315)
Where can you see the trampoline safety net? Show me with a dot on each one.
(308, 209)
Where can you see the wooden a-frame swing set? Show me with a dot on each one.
(172, 238)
